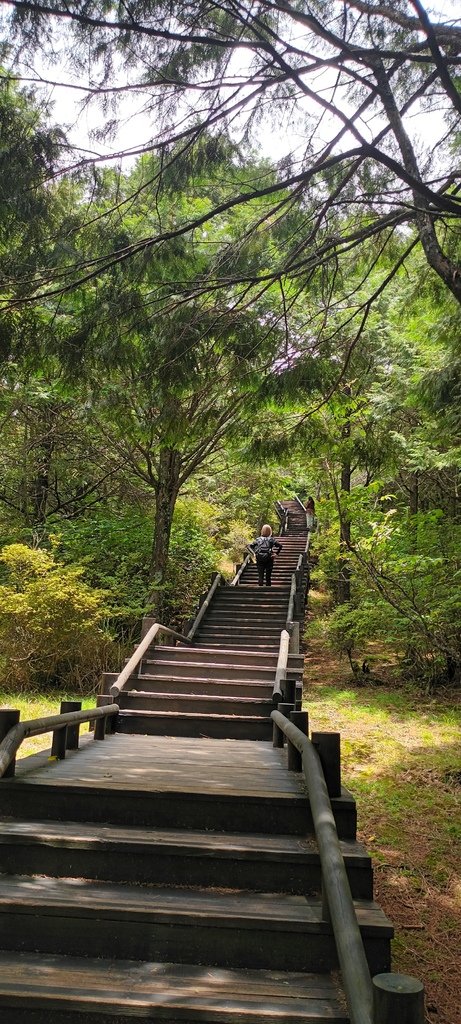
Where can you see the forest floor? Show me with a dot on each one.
(401, 758)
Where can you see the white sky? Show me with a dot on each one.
(134, 127)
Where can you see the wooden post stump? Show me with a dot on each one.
(73, 731)
(59, 743)
(289, 691)
(397, 997)
(328, 746)
(8, 718)
(284, 710)
(102, 726)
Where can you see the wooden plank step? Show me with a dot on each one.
(47, 989)
(202, 703)
(261, 862)
(246, 628)
(188, 723)
(246, 619)
(169, 683)
(228, 929)
(204, 652)
(242, 644)
(174, 782)
(216, 669)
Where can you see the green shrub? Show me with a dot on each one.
(50, 621)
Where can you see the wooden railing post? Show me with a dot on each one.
(59, 743)
(8, 718)
(284, 709)
(73, 731)
(397, 997)
(289, 691)
(101, 724)
(295, 760)
(328, 746)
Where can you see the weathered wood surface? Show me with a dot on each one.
(164, 763)
(169, 991)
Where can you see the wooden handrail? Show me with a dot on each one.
(282, 663)
(351, 954)
(283, 517)
(203, 607)
(291, 604)
(300, 503)
(39, 726)
(141, 649)
(243, 566)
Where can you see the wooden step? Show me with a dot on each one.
(208, 670)
(190, 783)
(280, 863)
(50, 989)
(184, 723)
(242, 644)
(200, 653)
(231, 628)
(246, 619)
(224, 929)
(197, 685)
(203, 704)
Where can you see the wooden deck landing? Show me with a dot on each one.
(161, 764)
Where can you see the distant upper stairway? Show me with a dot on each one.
(222, 683)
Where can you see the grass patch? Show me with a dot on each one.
(401, 757)
(37, 705)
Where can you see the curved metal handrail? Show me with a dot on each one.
(39, 726)
(141, 649)
(351, 953)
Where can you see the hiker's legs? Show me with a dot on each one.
(260, 567)
(269, 567)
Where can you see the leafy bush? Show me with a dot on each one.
(113, 545)
(240, 534)
(50, 621)
(405, 590)
(192, 558)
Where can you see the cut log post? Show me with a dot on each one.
(277, 736)
(301, 720)
(8, 718)
(59, 742)
(328, 746)
(104, 725)
(284, 709)
(289, 691)
(73, 731)
(397, 997)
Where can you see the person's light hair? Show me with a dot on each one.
(266, 530)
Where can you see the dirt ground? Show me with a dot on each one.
(401, 756)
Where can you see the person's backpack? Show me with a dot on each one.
(263, 549)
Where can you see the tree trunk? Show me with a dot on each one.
(344, 568)
(42, 452)
(166, 493)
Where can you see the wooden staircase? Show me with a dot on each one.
(171, 873)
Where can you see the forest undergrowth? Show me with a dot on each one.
(401, 758)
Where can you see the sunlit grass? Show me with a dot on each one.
(39, 706)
